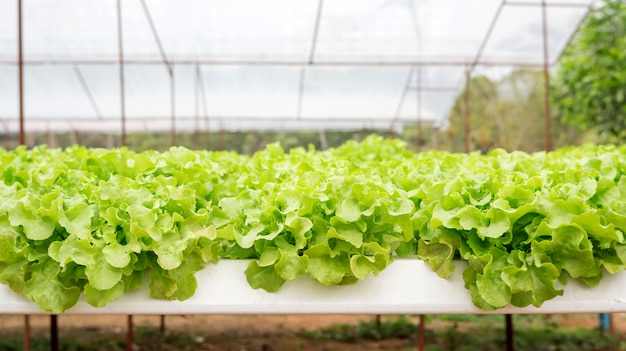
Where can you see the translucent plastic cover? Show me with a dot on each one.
(270, 64)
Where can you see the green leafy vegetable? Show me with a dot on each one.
(98, 222)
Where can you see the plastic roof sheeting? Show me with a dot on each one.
(245, 64)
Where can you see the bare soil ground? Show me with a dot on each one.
(241, 332)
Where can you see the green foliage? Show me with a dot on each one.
(590, 86)
(508, 113)
(479, 332)
(98, 221)
(400, 327)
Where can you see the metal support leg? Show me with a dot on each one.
(26, 333)
(54, 333)
(129, 333)
(509, 332)
(421, 344)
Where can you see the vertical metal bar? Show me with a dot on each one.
(26, 333)
(418, 72)
(196, 106)
(207, 135)
(20, 68)
(510, 345)
(54, 333)
(421, 343)
(121, 65)
(173, 104)
(120, 43)
(546, 77)
(466, 112)
(7, 134)
(222, 141)
(129, 333)
(162, 328)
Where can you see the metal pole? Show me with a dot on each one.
(196, 106)
(421, 343)
(546, 78)
(121, 65)
(418, 78)
(466, 112)
(173, 104)
(207, 135)
(129, 333)
(120, 43)
(509, 332)
(7, 141)
(320, 63)
(26, 333)
(222, 141)
(20, 67)
(54, 333)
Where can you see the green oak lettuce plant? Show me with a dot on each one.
(99, 222)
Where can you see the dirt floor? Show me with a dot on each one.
(242, 332)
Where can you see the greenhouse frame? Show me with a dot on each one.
(162, 66)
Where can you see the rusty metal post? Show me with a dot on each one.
(222, 140)
(129, 333)
(27, 333)
(207, 134)
(546, 77)
(120, 43)
(121, 73)
(196, 106)
(466, 112)
(418, 81)
(20, 68)
(421, 343)
(173, 104)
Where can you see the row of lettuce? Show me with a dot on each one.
(99, 222)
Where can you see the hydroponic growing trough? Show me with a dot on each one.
(364, 228)
(407, 286)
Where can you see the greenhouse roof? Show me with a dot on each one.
(271, 64)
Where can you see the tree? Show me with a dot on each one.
(507, 113)
(590, 86)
